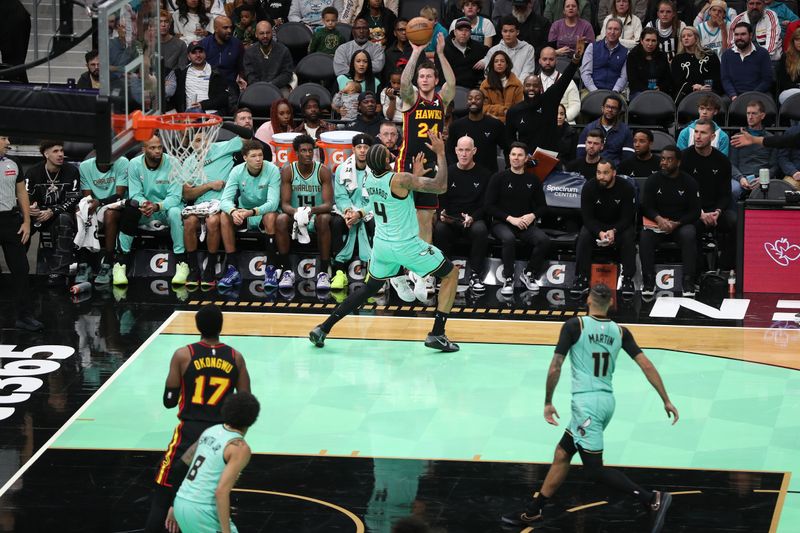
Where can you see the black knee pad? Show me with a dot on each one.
(443, 270)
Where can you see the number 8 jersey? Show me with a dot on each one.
(211, 376)
(424, 116)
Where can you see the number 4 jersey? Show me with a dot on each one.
(395, 217)
(211, 376)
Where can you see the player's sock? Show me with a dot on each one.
(325, 265)
(231, 258)
(270, 250)
(351, 303)
(108, 257)
(180, 258)
(281, 260)
(193, 260)
(616, 479)
(539, 501)
(439, 320)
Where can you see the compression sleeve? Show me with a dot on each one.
(570, 333)
(171, 397)
(629, 343)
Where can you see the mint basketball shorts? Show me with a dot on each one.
(414, 254)
(591, 413)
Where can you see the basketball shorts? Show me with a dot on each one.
(388, 257)
(198, 518)
(591, 413)
(186, 433)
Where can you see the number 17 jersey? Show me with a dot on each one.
(211, 376)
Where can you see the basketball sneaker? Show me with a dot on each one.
(207, 278)
(317, 336)
(661, 502)
(323, 282)
(84, 273)
(580, 286)
(688, 288)
(287, 280)
(441, 343)
(530, 280)
(508, 287)
(339, 280)
(181, 274)
(420, 286)
(648, 287)
(627, 287)
(193, 280)
(270, 277)
(475, 283)
(231, 277)
(104, 276)
(119, 274)
(400, 284)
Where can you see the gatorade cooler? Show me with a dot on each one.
(338, 146)
(283, 151)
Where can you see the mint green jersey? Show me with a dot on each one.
(306, 191)
(344, 198)
(103, 184)
(594, 356)
(218, 165)
(207, 465)
(245, 191)
(154, 185)
(395, 218)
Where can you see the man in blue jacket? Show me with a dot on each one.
(618, 137)
(746, 66)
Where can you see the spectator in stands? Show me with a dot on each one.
(605, 8)
(398, 51)
(461, 211)
(277, 11)
(534, 120)
(554, 9)
(712, 26)
(368, 120)
(548, 75)
(390, 105)
(788, 70)
(343, 55)
(712, 171)
(432, 14)
(481, 28)
(53, 190)
(603, 64)
(765, 27)
(501, 88)
(669, 27)
(647, 66)
(345, 102)
(515, 200)
(486, 132)
(351, 219)
(173, 50)
(306, 196)
(608, 206)
(785, 14)
(381, 21)
(199, 88)
(566, 31)
(617, 139)
(388, 136)
(259, 11)
(15, 28)
(361, 72)
(309, 12)
(748, 160)
(243, 117)
(567, 136)
(534, 29)
(520, 55)
(249, 200)
(631, 23)
(192, 22)
(746, 66)
(105, 185)
(586, 163)
(269, 60)
(224, 52)
(671, 203)
(643, 163)
(280, 121)
(91, 78)
(244, 28)
(707, 108)
(327, 39)
(464, 54)
(789, 161)
(312, 125)
(159, 200)
(694, 68)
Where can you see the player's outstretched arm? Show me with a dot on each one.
(437, 184)
(655, 380)
(448, 92)
(172, 387)
(407, 77)
(553, 375)
(237, 455)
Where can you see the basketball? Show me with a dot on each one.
(419, 30)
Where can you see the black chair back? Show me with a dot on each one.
(790, 110)
(297, 94)
(296, 36)
(687, 108)
(737, 112)
(653, 109)
(259, 97)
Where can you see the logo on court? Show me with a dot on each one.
(556, 274)
(257, 265)
(159, 263)
(666, 279)
(356, 270)
(782, 252)
(160, 287)
(307, 268)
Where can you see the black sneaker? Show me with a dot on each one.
(659, 509)
(317, 336)
(56, 280)
(648, 287)
(441, 343)
(628, 290)
(508, 287)
(580, 286)
(475, 283)
(529, 517)
(688, 288)
(193, 279)
(28, 323)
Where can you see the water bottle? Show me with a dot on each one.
(731, 284)
(78, 288)
(763, 180)
(651, 84)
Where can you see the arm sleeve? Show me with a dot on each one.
(174, 193)
(765, 78)
(683, 139)
(783, 141)
(294, 12)
(623, 79)
(734, 157)
(724, 142)
(378, 58)
(340, 197)
(629, 343)
(693, 209)
(723, 188)
(287, 67)
(786, 161)
(574, 102)
(539, 202)
(569, 335)
(135, 191)
(725, 75)
(340, 61)
(580, 152)
(649, 197)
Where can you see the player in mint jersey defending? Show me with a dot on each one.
(105, 184)
(306, 203)
(159, 199)
(593, 343)
(397, 243)
(203, 502)
(250, 200)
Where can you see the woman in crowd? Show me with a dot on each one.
(694, 68)
(501, 88)
(361, 72)
(669, 27)
(381, 22)
(566, 31)
(567, 136)
(788, 72)
(631, 24)
(280, 121)
(713, 28)
(647, 66)
(191, 22)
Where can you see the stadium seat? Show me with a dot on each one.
(316, 67)
(460, 107)
(346, 30)
(296, 36)
(789, 111)
(654, 109)
(777, 191)
(592, 103)
(297, 94)
(259, 97)
(737, 112)
(687, 108)
(661, 140)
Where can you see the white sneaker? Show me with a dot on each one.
(420, 288)
(430, 284)
(508, 287)
(530, 281)
(287, 280)
(400, 284)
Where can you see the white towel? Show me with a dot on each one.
(300, 228)
(347, 176)
(202, 210)
(86, 234)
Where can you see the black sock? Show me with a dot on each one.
(211, 264)
(281, 260)
(270, 250)
(438, 322)
(616, 479)
(350, 304)
(194, 263)
(180, 258)
(108, 257)
(325, 265)
(539, 501)
(231, 258)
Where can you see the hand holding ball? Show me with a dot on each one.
(419, 31)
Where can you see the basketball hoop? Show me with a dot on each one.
(186, 137)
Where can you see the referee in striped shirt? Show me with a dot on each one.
(14, 234)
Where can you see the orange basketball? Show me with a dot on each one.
(419, 30)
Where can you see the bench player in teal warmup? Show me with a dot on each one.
(593, 343)
(397, 243)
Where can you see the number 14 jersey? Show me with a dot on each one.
(211, 376)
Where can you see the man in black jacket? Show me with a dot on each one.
(533, 27)
(463, 52)
(199, 88)
(268, 60)
(91, 78)
(487, 133)
(608, 209)
(54, 192)
(671, 203)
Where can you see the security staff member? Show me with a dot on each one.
(14, 234)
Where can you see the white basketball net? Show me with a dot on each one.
(188, 145)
